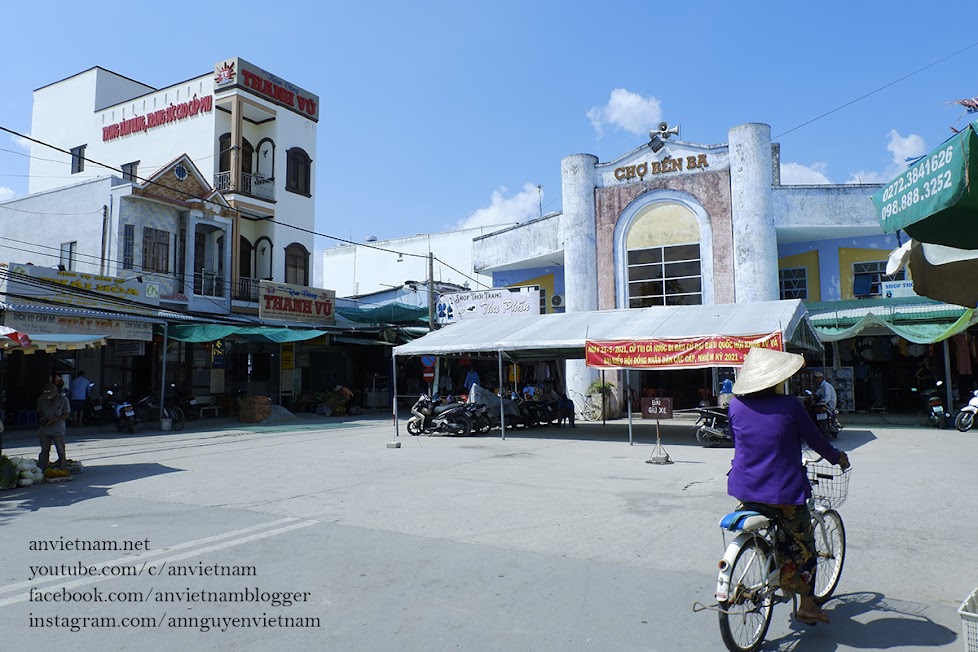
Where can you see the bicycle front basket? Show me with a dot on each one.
(830, 484)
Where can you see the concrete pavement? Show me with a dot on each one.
(554, 539)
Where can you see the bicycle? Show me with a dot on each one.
(749, 578)
(148, 412)
(586, 406)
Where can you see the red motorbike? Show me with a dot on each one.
(825, 418)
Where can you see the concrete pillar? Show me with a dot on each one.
(755, 243)
(578, 236)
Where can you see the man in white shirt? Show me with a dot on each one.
(79, 397)
(825, 391)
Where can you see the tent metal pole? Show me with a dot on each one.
(166, 333)
(947, 376)
(604, 421)
(628, 389)
(502, 412)
(394, 398)
(280, 370)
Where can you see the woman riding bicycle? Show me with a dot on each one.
(767, 475)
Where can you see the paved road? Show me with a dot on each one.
(556, 539)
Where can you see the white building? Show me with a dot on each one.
(377, 265)
(251, 135)
(181, 198)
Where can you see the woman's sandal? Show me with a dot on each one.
(812, 621)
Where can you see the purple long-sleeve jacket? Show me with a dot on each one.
(768, 432)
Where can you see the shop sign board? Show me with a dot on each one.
(680, 353)
(23, 283)
(130, 347)
(37, 324)
(295, 303)
(238, 73)
(897, 289)
(657, 407)
(482, 304)
(288, 356)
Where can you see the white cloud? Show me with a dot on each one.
(505, 210)
(7, 193)
(21, 142)
(626, 110)
(796, 174)
(901, 148)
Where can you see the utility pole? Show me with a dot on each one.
(431, 292)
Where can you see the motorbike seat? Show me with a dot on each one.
(442, 408)
(744, 521)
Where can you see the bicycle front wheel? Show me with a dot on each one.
(746, 615)
(830, 546)
(176, 417)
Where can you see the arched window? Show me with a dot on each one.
(663, 257)
(224, 156)
(245, 267)
(296, 264)
(297, 172)
(263, 258)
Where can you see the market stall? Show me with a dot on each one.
(565, 336)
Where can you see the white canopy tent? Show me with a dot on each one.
(564, 336)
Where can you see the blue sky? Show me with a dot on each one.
(436, 115)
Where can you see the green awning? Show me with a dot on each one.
(389, 313)
(933, 200)
(212, 332)
(916, 320)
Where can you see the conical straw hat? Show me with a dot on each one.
(764, 368)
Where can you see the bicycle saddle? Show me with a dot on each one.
(744, 521)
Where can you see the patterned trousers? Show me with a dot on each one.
(795, 545)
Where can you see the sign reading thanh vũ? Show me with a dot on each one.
(296, 303)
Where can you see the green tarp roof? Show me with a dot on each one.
(212, 332)
(914, 319)
(389, 313)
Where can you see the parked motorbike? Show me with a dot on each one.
(966, 417)
(825, 418)
(933, 404)
(123, 412)
(713, 426)
(188, 403)
(434, 418)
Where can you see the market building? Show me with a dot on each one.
(675, 223)
(175, 209)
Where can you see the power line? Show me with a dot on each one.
(881, 88)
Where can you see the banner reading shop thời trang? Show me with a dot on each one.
(296, 303)
(500, 302)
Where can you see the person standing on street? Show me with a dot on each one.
(52, 412)
(79, 397)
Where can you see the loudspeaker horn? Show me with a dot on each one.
(665, 131)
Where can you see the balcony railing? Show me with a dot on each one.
(247, 289)
(255, 185)
(208, 284)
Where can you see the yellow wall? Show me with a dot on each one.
(809, 261)
(546, 282)
(846, 259)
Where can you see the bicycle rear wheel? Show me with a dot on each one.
(830, 546)
(746, 615)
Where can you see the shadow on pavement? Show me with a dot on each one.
(889, 623)
(94, 482)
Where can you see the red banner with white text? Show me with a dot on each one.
(683, 353)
